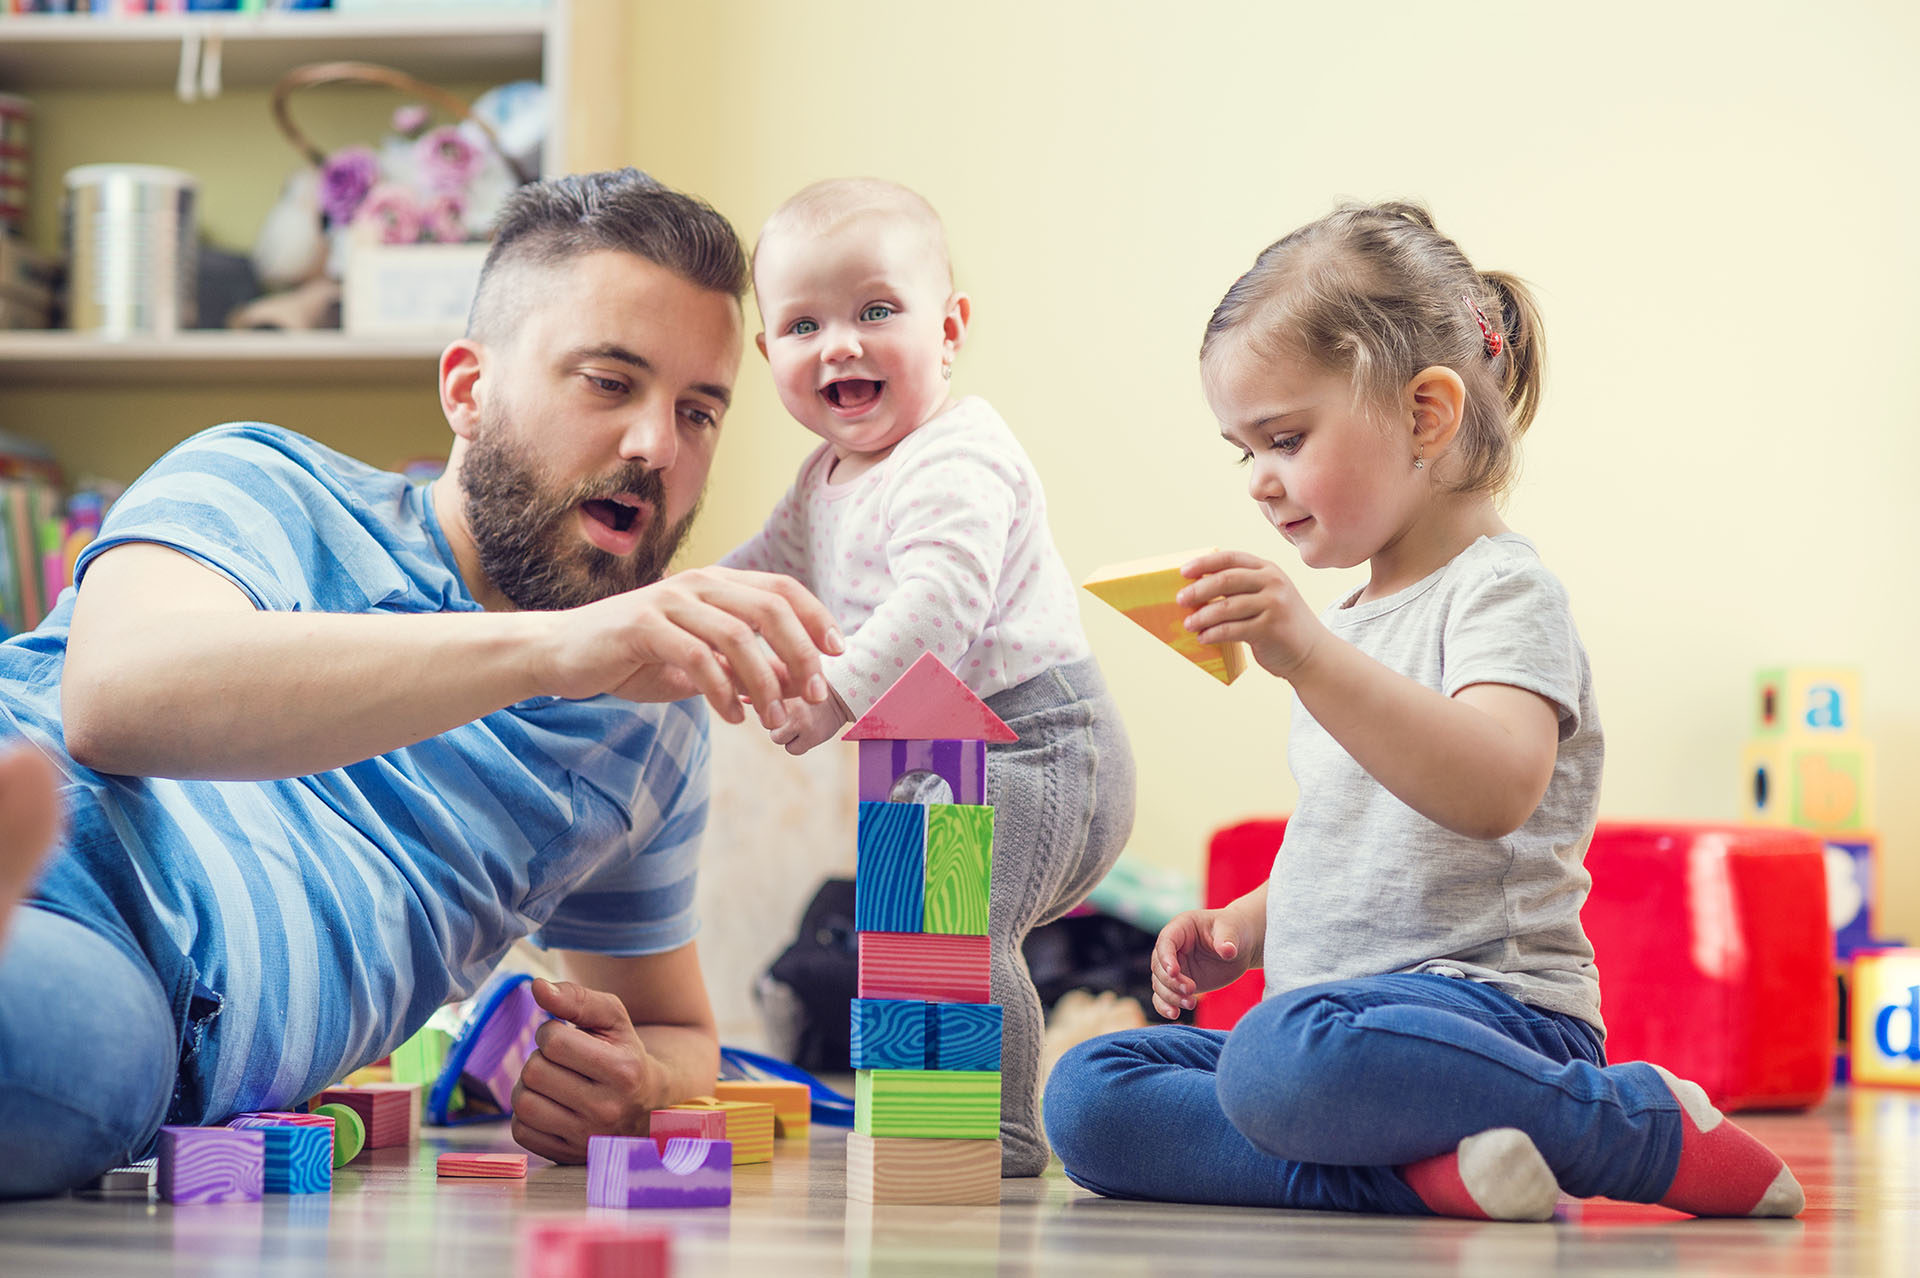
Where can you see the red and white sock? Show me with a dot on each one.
(1497, 1174)
(1723, 1170)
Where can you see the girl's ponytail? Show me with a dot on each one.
(1525, 367)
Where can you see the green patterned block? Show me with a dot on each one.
(421, 1058)
(959, 868)
(953, 1104)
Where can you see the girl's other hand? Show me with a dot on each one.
(1199, 950)
(1240, 597)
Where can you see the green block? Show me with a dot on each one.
(421, 1058)
(349, 1133)
(959, 868)
(955, 1104)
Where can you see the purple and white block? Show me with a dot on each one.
(961, 764)
(632, 1171)
(211, 1165)
(505, 1044)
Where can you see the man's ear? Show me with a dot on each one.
(1437, 400)
(953, 329)
(760, 340)
(460, 386)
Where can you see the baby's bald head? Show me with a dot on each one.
(826, 207)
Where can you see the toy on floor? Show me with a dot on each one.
(1885, 1018)
(791, 1103)
(384, 1113)
(925, 1042)
(746, 1125)
(632, 1171)
(592, 1249)
(484, 1063)
(487, 1166)
(1143, 591)
(349, 1133)
(294, 1153)
(210, 1165)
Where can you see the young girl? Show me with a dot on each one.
(921, 525)
(1431, 1036)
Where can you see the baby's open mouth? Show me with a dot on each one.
(852, 393)
(617, 512)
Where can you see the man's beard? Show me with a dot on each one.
(529, 547)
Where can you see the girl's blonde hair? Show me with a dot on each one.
(1376, 293)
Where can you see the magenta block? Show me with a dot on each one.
(211, 1165)
(631, 1171)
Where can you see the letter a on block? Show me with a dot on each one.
(1143, 590)
(929, 703)
(889, 881)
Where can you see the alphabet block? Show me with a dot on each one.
(1850, 889)
(1885, 1018)
(1813, 786)
(963, 1036)
(928, 966)
(959, 868)
(631, 1171)
(484, 1166)
(749, 1125)
(1798, 701)
(792, 1102)
(889, 1033)
(211, 1165)
(1144, 589)
(961, 764)
(889, 881)
(951, 1104)
(896, 1169)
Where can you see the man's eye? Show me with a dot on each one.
(877, 312)
(803, 327)
(702, 418)
(611, 385)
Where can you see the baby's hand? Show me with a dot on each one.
(806, 726)
(1199, 950)
(1237, 596)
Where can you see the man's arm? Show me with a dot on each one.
(171, 671)
(634, 1034)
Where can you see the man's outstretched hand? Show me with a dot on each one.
(590, 1076)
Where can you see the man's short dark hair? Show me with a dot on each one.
(544, 224)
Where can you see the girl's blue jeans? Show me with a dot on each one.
(1319, 1094)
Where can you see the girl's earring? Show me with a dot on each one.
(946, 371)
(1419, 462)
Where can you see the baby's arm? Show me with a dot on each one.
(1203, 950)
(779, 546)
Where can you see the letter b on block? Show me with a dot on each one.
(889, 881)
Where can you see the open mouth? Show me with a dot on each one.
(852, 394)
(619, 512)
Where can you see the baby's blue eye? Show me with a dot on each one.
(878, 311)
(803, 327)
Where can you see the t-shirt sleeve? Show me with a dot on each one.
(641, 899)
(248, 504)
(1514, 626)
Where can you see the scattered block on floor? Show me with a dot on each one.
(889, 1033)
(920, 965)
(1884, 1033)
(631, 1171)
(749, 1125)
(493, 1166)
(947, 1104)
(297, 1160)
(961, 764)
(349, 1133)
(929, 703)
(889, 882)
(1144, 589)
(792, 1103)
(897, 1169)
(964, 1036)
(383, 1112)
(416, 1103)
(701, 1124)
(135, 1180)
(421, 1058)
(959, 868)
(592, 1249)
(210, 1165)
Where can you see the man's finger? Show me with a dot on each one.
(591, 1010)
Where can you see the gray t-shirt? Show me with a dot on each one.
(1363, 885)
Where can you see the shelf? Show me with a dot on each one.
(79, 51)
(79, 360)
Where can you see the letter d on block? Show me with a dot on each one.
(1883, 1026)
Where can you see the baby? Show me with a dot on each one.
(920, 523)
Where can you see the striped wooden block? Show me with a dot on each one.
(701, 1124)
(928, 966)
(961, 764)
(963, 1035)
(296, 1159)
(590, 1249)
(489, 1166)
(889, 879)
(949, 1104)
(1144, 590)
(749, 1125)
(631, 1171)
(210, 1165)
(792, 1102)
(383, 1112)
(904, 1169)
(416, 1094)
(959, 868)
(889, 1033)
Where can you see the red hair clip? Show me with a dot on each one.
(1495, 342)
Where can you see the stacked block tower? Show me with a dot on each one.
(926, 1040)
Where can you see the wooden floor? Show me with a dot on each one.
(1858, 1156)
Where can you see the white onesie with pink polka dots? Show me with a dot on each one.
(942, 548)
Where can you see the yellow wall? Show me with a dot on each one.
(1716, 207)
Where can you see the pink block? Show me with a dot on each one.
(929, 703)
(701, 1124)
(592, 1249)
(631, 1171)
(930, 967)
(387, 1115)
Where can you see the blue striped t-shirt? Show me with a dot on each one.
(330, 914)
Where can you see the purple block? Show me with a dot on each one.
(961, 764)
(211, 1165)
(504, 1044)
(632, 1171)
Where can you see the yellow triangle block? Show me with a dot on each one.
(1143, 590)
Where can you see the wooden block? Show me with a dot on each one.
(421, 1058)
(963, 1036)
(383, 1111)
(349, 1132)
(949, 1104)
(940, 1173)
(959, 869)
(132, 1181)
(1807, 701)
(749, 1125)
(296, 1159)
(591, 1249)
(1143, 590)
(416, 1094)
(701, 1124)
(933, 967)
(961, 764)
(491, 1166)
(1809, 784)
(889, 893)
(889, 1033)
(929, 703)
(1851, 877)
(1884, 1018)
(792, 1102)
(210, 1165)
(631, 1171)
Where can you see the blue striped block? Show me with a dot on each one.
(890, 1033)
(299, 1160)
(963, 1036)
(889, 882)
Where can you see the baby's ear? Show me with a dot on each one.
(959, 316)
(760, 340)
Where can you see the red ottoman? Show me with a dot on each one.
(1714, 949)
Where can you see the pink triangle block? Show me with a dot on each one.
(929, 703)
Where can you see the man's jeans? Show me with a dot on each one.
(1320, 1093)
(89, 1054)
